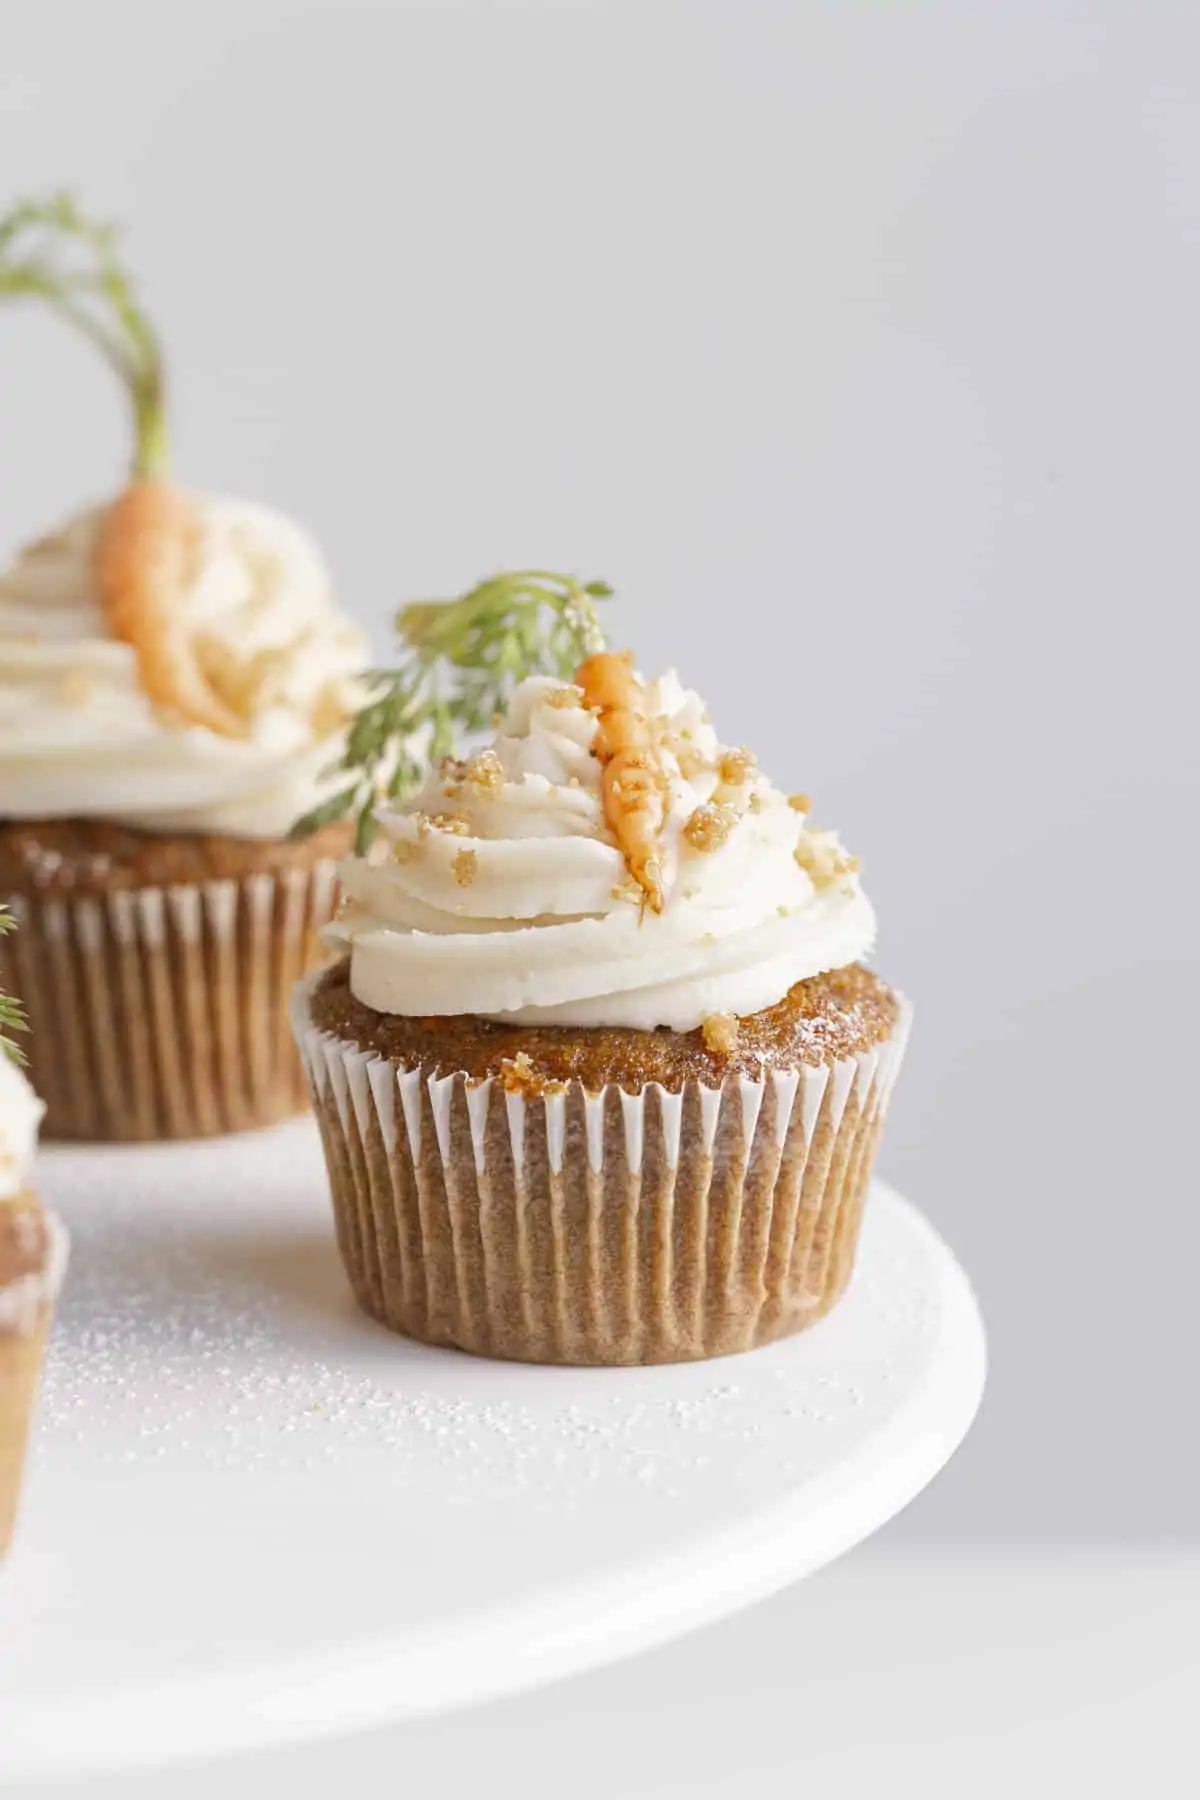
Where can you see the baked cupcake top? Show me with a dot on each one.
(171, 661)
(604, 862)
(83, 734)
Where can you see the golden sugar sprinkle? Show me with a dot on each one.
(464, 867)
(518, 1076)
(823, 860)
(453, 824)
(485, 772)
(736, 767)
(708, 828)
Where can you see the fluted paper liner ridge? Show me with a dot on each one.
(596, 1228)
(164, 1012)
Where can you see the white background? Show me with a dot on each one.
(855, 341)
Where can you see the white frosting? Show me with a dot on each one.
(20, 1115)
(78, 737)
(525, 912)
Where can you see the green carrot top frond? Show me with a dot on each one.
(464, 658)
(12, 1013)
(50, 251)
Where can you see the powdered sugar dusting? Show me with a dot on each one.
(207, 1327)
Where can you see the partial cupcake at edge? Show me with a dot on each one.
(175, 681)
(33, 1250)
(600, 1072)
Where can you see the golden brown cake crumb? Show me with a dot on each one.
(801, 803)
(830, 1016)
(721, 1032)
(464, 867)
(519, 1076)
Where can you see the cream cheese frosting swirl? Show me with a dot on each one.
(503, 893)
(79, 737)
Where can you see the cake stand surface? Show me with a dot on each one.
(254, 1516)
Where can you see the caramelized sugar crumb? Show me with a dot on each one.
(564, 697)
(485, 772)
(721, 1032)
(464, 867)
(736, 767)
(709, 827)
(801, 803)
(454, 824)
(519, 1076)
(823, 859)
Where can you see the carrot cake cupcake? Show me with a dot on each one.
(601, 1072)
(32, 1256)
(175, 680)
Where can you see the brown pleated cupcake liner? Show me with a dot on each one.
(163, 1012)
(26, 1308)
(608, 1228)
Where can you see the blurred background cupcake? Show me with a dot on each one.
(175, 679)
(32, 1258)
(601, 1074)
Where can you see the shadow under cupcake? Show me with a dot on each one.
(602, 1076)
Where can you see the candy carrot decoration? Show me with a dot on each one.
(143, 559)
(633, 784)
(51, 252)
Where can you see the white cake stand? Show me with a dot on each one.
(255, 1517)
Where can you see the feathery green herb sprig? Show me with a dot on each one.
(464, 659)
(50, 251)
(12, 1013)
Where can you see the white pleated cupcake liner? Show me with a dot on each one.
(162, 1012)
(614, 1227)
